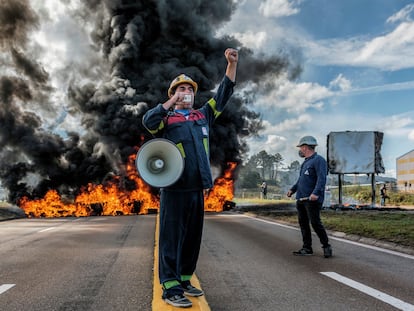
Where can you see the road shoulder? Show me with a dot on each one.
(342, 235)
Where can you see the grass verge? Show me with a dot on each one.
(389, 226)
(395, 227)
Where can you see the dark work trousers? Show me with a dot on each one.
(309, 212)
(181, 227)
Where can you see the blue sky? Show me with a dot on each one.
(358, 71)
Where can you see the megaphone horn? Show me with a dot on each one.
(159, 162)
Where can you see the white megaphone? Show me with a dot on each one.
(159, 162)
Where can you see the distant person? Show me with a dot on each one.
(264, 190)
(384, 195)
(310, 191)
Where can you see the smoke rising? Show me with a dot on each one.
(135, 49)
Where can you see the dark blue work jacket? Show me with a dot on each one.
(312, 178)
(191, 135)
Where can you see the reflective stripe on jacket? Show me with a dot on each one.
(191, 135)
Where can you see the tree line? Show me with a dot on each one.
(267, 167)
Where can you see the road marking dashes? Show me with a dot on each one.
(395, 302)
(5, 287)
(47, 229)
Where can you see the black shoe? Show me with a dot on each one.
(179, 301)
(190, 290)
(327, 251)
(303, 252)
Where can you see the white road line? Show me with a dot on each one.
(5, 287)
(47, 229)
(274, 223)
(384, 250)
(379, 249)
(395, 302)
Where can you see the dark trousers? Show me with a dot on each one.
(309, 212)
(181, 227)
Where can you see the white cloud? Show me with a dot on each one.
(279, 8)
(252, 39)
(61, 45)
(402, 15)
(395, 122)
(291, 124)
(331, 52)
(392, 51)
(341, 83)
(398, 86)
(296, 97)
(271, 143)
(397, 128)
(282, 130)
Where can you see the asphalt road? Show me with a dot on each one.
(105, 263)
(247, 264)
(94, 263)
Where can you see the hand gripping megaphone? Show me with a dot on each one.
(159, 162)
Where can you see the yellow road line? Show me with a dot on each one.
(199, 303)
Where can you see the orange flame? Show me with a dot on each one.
(111, 200)
(222, 191)
(96, 200)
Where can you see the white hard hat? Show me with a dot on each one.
(307, 140)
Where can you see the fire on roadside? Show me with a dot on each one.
(105, 200)
(112, 200)
(222, 191)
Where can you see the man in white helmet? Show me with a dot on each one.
(310, 191)
(182, 203)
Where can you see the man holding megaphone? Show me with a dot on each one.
(182, 203)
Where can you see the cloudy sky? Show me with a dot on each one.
(357, 59)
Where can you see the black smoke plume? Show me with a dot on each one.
(140, 47)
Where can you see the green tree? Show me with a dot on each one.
(294, 166)
(266, 164)
(263, 162)
(277, 160)
(249, 179)
(252, 163)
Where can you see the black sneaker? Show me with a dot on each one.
(327, 251)
(179, 301)
(303, 252)
(190, 290)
